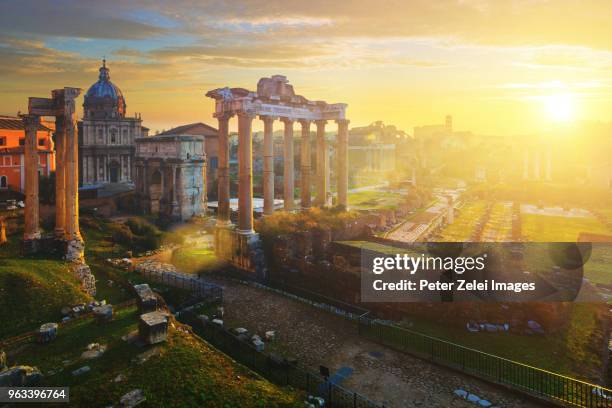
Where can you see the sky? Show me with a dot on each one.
(499, 67)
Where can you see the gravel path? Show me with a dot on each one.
(316, 338)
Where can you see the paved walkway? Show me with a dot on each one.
(316, 338)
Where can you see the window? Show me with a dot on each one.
(41, 142)
(3, 182)
(113, 136)
(100, 135)
(2, 140)
(21, 141)
(7, 161)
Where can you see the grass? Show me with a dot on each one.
(33, 291)
(465, 222)
(569, 351)
(368, 200)
(547, 228)
(183, 372)
(194, 260)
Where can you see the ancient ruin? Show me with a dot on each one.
(171, 175)
(67, 239)
(274, 99)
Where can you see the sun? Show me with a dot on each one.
(560, 107)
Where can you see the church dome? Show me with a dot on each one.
(104, 99)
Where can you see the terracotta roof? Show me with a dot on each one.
(197, 128)
(15, 123)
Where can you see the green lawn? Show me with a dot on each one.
(571, 351)
(547, 228)
(33, 291)
(184, 372)
(465, 222)
(367, 200)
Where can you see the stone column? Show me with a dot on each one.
(305, 164)
(31, 229)
(60, 178)
(536, 165)
(245, 181)
(321, 153)
(175, 205)
(288, 181)
(548, 169)
(223, 192)
(268, 164)
(342, 162)
(72, 166)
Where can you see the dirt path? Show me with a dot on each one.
(316, 338)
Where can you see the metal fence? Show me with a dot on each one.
(198, 288)
(275, 369)
(532, 380)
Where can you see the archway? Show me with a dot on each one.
(3, 182)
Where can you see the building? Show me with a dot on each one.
(107, 135)
(374, 148)
(211, 149)
(170, 175)
(12, 149)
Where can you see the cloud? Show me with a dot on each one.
(78, 19)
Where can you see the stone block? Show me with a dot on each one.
(20, 376)
(132, 398)
(103, 313)
(153, 327)
(218, 322)
(81, 371)
(47, 332)
(147, 301)
(3, 361)
(259, 345)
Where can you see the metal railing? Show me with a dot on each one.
(522, 377)
(275, 369)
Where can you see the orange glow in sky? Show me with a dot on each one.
(499, 67)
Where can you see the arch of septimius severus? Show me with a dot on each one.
(274, 100)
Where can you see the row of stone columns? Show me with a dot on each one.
(245, 182)
(536, 165)
(66, 176)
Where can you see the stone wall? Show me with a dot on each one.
(312, 261)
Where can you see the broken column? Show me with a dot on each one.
(31, 233)
(223, 195)
(305, 164)
(268, 165)
(75, 248)
(245, 176)
(321, 154)
(342, 162)
(288, 186)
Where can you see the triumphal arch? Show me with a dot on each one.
(274, 100)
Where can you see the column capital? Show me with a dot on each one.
(287, 120)
(342, 121)
(305, 122)
(245, 115)
(321, 122)
(268, 118)
(223, 115)
(30, 120)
